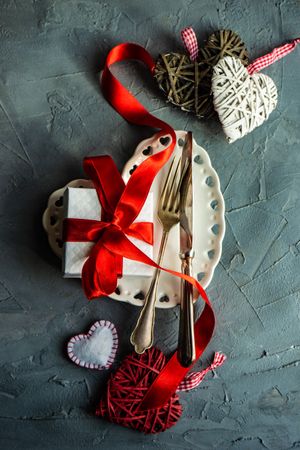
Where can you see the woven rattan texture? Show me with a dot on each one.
(187, 83)
(243, 102)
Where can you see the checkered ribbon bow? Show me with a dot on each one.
(190, 42)
(189, 39)
(193, 379)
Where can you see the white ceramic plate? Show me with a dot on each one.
(208, 226)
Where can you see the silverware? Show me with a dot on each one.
(168, 214)
(186, 340)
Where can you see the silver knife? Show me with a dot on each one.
(186, 341)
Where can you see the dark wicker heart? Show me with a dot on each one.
(188, 83)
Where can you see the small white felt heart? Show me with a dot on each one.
(96, 349)
(243, 102)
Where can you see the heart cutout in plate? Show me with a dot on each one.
(126, 389)
(242, 101)
(187, 83)
(96, 349)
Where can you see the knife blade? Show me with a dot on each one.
(186, 340)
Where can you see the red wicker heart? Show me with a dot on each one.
(126, 389)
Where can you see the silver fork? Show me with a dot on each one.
(168, 214)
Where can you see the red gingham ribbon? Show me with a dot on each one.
(264, 61)
(190, 42)
(193, 379)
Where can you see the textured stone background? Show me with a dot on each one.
(53, 114)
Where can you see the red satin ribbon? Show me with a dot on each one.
(103, 267)
(124, 206)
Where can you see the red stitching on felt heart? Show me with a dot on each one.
(88, 336)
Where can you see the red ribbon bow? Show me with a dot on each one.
(104, 265)
(121, 206)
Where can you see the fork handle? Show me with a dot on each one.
(143, 333)
(186, 340)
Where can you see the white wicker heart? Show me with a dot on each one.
(243, 102)
(209, 224)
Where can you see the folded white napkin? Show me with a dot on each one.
(82, 203)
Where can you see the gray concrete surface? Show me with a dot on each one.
(53, 114)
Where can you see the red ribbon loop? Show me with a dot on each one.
(103, 266)
(121, 205)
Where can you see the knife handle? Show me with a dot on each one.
(186, 353)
